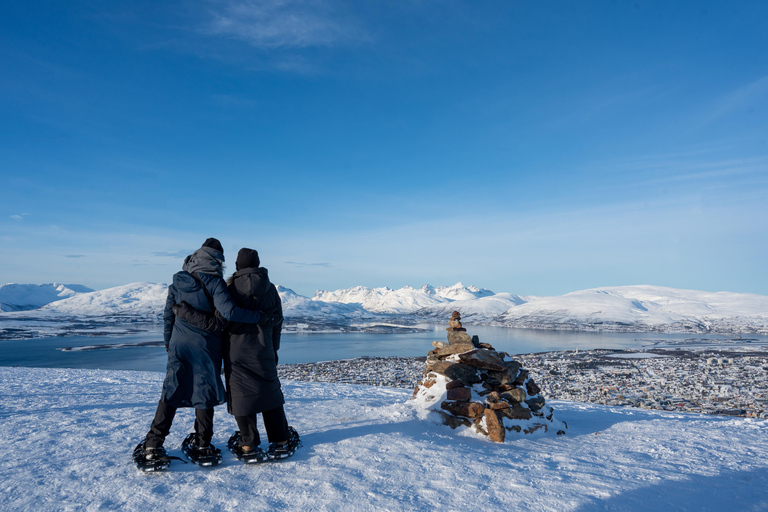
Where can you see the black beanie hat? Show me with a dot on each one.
(247, 258)
(214, 244)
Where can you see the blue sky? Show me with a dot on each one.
(522, 146)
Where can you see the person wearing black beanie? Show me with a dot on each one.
(247, 258)
(213, 244)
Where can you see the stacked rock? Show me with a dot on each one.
(469, 384)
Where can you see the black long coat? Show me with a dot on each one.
(250, 351)
(193, 371)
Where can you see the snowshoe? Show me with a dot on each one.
(277, 451)
(254, 456)
(202, 456)
(150, 459)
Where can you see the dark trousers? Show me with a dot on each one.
(275, 424)
(161, 425)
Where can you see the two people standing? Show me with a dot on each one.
(206, 322)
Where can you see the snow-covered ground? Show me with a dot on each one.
(68, 435)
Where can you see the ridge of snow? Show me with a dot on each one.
(402, 301)
(642, 307)
(22, 297)
(297, 306)
(141, 299)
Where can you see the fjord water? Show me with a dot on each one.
(125, 353)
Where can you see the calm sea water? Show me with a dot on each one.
(307, 348)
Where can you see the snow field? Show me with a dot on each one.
(68, 435)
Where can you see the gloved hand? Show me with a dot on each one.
(264, 319)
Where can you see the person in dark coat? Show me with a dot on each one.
(193, 372)
(250, 359)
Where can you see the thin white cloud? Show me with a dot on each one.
(738, 99)
(301, 264)
(282, 24)
(19, 216)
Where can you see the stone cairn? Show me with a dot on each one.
(469, 384)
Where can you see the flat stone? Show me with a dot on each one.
(516, 412)
(466, 373)
(505, 387)
(454, 384)
(428, 383)
(454, 421)
(503, 377)
(497, 406)
(459, 394)
(440, 367)
(439, 344)
(466, 409)
(521, 377)
(532, 387)
(535, 404)
(494, 426)
(431, 361)
(492, 397)
(512, 366)
(485, 359)
(486, 346)
(514, 395)
(455, 337)
(456, 348)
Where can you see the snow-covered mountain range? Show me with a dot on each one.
(405, 300)
(21, 297)
(619, 308)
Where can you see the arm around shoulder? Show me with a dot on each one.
(224, 304)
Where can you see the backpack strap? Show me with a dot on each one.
(205, 290)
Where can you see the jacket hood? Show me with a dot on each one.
(185, 282)
(205, 260)
(258, 277)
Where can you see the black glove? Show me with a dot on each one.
(264, 319)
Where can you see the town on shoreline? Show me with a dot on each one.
(729, 381)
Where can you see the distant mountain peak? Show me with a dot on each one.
(23, 297)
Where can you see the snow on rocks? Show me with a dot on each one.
(468, 384)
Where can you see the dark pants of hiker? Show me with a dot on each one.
(161, 425)
(274, 423)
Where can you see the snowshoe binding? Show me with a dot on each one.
(150, 459)
(253, 456)
(207, 456)
(278, 451)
